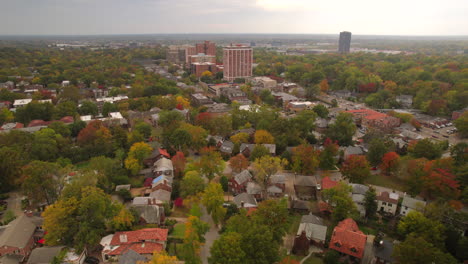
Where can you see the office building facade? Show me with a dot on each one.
(237, 61)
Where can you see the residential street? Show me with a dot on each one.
(210, 236)
(14, 203)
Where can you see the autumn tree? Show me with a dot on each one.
(461, 124)
(305, 159)
(195, 229)
(356, 168)
(134, 160)
(263, 137)
(41, 181)
(227, 249)
(415, 250)
(327, 155)
(191, 184)
(211, 163)
(239, 163)
(265, 167)
(95, 138)
(390, 162)
(178, 161)
(439, 180)
(324, 86)
(163, 258)
(123, 220)
(240, 138)
(415, 173)
(213, 199)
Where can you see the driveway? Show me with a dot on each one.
(14, 203)
(210, 236)
(369, 251)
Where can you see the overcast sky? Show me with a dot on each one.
(372, 17)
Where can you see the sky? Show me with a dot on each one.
(362, 17)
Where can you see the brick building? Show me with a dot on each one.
(237, 61)
(198, 68)
(371, 118)
(207, 47)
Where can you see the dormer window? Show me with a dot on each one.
(354, 250)
(337, 244)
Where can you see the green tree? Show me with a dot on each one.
(213, 199)
(45, 146)
(416, 223)
(191, 184)
(425, 148)
(377, 149)
(258, 152)
(461, 124)
(339, 197)
(144, 129)
(41, 181)
(321, 110)
(259, 245)
(108, 108)
(88, 108)
(370, 203)
(274, 214)
(6, 116)
(343, 129)
(11, 161)
(211, 163)
(227, 249)
(415, 250)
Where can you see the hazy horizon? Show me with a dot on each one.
(143, 17)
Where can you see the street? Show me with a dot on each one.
(210, 236)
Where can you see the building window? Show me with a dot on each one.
(389, 205)
(406, 207)
(384, 203)
(353, 250)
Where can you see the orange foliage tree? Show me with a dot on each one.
(356, 168)
(239, 163)
(390, 162)
(178, 161)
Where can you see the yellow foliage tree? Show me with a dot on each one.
(324, 85)
(123, 220)
(264, 137)
(134, 161)
(162, 258)
(207, 74)
(240, 138)
(183, 101)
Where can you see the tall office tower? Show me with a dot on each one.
(237, 62)
(207, 47)
(345, 42)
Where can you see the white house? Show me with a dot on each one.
(387, 202)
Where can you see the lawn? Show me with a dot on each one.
(385, 181)
(313, 260)
(179, 230)
(295, 222)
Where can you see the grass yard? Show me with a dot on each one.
(180, 211)
(295, 222)
(175, 250)
(385, 181)
(313, 260)
(179, 230)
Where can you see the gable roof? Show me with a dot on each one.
(163, 165)
(348, 239)
(313, 231)
(308, 181)
(274, 189)
(389, 198)
(384, 251)
(151, 213)
(313, 219)
(44, 255)
(278, 179)
(227, 147)
(18, 232)
(253, 188)
(247, 199)
(243, 177)
(131, 257)
(161, 195)
(412, 203)
(129, 237)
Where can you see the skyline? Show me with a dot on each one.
(121, 17)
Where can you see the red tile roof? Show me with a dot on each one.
(155, 234)
(164, 153)
(328, 183)
(140, 248)
(38, 122)
(348, 239)
(67, 119)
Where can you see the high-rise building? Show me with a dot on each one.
(237, 60)
(345, 42)
(176, 54)
(207, 47)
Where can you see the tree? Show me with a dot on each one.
(163, 258)
(6, 116)
(227, 249)
(265, 167)
(343, 129)
(213, 199)
(416, 223)
(144, 129)
(88, 108)
(331, 257)
(198, 135)
(239, 163)
(327, 155)
(109, 108)
(356, 168)
(274, 214)
(438, 180)
(305, 159)
(425, 148)
(134, 161)
(240, 138)
(211, 163)
(344, 207)
(191, 184)
(258, 152)
(40, 181)
(45, 145)
(324, 86)
(377, 149)
(259, 245)
(370, 202)
(415, 172)
(461, 124)
(263, 137)
(11, 161)
(321, 110)
(123, 220)
(193, 237)
(178, 161)
(180, 139)
(96, 139)
(390, 162)
(415, 250)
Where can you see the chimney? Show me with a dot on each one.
(242, 204)
(123, 238)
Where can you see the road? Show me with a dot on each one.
(14, 203)
(210, 236)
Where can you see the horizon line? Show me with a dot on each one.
(186, 33)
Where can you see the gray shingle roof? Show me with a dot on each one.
(131, 257)
(412, 202)
(245, 198)
(18, 232)
(301, 180)
(243, 177)
(44, 255)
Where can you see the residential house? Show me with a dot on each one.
(161, 195)
(18, 238)
(227, 147)
(218, 109)
(199, 99)
(163, 166)
(238, 183)
(285, 98)
(144, 242)
(406, 101)
(348, 239)
(305, 187)
(328, 183)
(44, 255)
(150, 210)
(246, 149)
(358, 195)
(21, 102)
(216, 140)
(278, 180)
(353, 150)
(5, 104)
(315, 232)
(300, 206)
(387, 202)
(156, 155)
(411, 204)
(374, 119)
(255, 190)
(298, 106)
(245, 200)
(274, 191)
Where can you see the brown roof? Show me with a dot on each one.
(385, 197)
